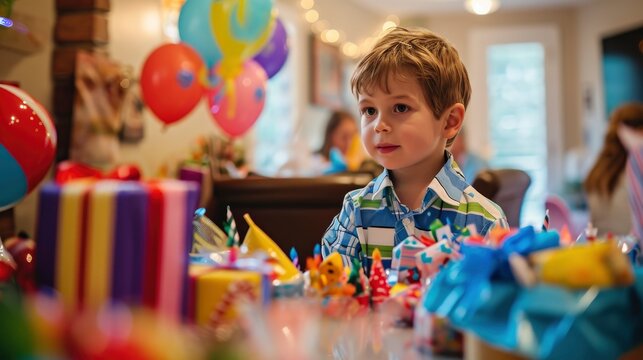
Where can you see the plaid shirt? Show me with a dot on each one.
(373, 217)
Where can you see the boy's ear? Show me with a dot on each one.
(454, 118)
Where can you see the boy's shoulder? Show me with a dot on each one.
(372, 192)
(478, 203)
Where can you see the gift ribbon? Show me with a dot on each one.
(68, 171)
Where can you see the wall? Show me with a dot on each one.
(457, 27)
(161, 144)
(33, 72)
(595, 21)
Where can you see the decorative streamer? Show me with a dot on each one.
(546, 221)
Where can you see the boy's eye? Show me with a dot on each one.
(400, 108)
(369, 111)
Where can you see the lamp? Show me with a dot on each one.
(481, 7)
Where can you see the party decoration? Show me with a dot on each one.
(236, 104)
(241, 28)
(275, 53)
(294, 257)
(546, 221)
(562, 313)
(403, 265)
(170, 81)
(230, 228)
(584, 265)
(7, 264)
(27, 144)
(22, 249)
(256, 239)
(70, 170)
(379, 287)
(194, 30)
(123, 241)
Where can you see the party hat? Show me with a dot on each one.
(256, 239)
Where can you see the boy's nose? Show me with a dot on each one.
(381, 125)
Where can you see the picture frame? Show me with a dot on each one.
(327, 74)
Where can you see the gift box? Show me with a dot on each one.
(126, 241)
(479, 295)
(215, 293)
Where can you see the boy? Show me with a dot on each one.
(412, 90)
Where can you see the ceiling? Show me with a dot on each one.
(432, 7)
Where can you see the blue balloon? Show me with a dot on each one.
(195, 30)
(256, 19)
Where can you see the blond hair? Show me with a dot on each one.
(432, 60)
(607, 170)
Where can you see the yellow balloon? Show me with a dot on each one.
(235, 51)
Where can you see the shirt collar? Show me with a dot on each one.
(448, 184)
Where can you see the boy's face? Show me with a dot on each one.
(399, 129)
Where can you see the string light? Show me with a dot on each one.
(311, 16)
(331, 35)
(307, 4)
(481, 7)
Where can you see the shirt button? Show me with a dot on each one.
(406, 221)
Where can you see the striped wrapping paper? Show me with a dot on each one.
(634, 171)
(126, 241)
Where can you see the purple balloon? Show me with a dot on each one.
(274, 54)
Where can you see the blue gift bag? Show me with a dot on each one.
(478, 295)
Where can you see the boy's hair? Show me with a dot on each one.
(433, 61)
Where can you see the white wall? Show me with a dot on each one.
(457, 28)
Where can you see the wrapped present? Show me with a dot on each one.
(403, 265)
(116, 240)
(430, 260)
(477, 294)
(215, 293)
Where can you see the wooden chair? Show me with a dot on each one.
(505, 187)
(292, 211)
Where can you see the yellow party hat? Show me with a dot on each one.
(256, 239)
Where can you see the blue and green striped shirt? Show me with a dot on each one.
(373, 217)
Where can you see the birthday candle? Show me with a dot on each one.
(317, 254)
(230, 228)
(546, 221)
(294, 257)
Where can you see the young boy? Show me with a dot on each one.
(412, 90)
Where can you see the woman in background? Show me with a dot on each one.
(607, 195)
(340, 131)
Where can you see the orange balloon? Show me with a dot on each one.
(170, 81)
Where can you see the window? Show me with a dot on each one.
(518, 131)
(515, 109)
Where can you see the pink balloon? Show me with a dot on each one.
(236, 103)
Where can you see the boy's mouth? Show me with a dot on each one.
(386, 148)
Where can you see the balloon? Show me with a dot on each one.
(274, 54)
(27, 144)
(241, 28)
(170, 81)
(236, 103)
(195, 30)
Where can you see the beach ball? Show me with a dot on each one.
(27, 144)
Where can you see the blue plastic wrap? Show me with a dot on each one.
(478, 295)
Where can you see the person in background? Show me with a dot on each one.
(605, 185)
(340, 131)
(412, 89)
(470, 164)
